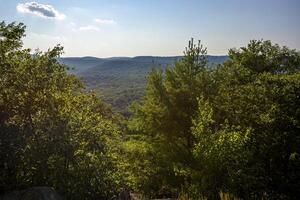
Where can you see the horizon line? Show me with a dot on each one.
(89, 56)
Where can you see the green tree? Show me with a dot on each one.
(247, 131)
(52, 133)
(232, 128)
(164, 118)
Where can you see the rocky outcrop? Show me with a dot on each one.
(34, 193)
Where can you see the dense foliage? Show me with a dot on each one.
(234, 128)
(247, 130)
(198, 132)
(52, 133)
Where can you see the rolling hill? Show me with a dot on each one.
(120, 80)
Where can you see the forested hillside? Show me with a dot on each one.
(199, 132)
(121, 80)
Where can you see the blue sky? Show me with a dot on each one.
(106, 28)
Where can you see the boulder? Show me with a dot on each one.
(34, 193)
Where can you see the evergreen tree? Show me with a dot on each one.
(164, 117)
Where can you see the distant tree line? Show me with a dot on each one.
(198, 132)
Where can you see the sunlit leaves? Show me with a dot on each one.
(61, 134)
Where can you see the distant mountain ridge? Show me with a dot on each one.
(80, 64)
(121, 80)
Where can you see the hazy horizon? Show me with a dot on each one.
(87, 56)
(154, 28)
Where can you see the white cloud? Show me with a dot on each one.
(105, 21)
(89, 28)
(95, 27)
(40, 10)
(76, 28)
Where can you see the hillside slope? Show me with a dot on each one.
(121, 80)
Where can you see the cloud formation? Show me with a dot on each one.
(40, 10)
(97, 23)
(105, 21)
(89, 28)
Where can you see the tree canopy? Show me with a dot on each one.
(200, 132)
(231, 128)
(52, 133)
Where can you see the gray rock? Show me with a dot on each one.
(34, 193)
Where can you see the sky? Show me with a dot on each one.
(110, 28)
